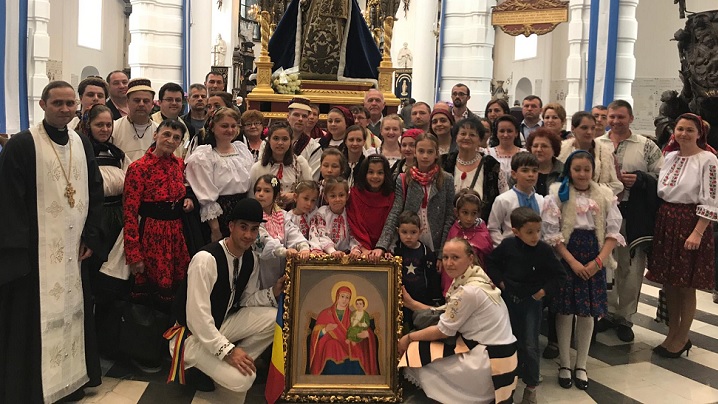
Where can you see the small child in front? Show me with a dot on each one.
(418, 265)
(526, 269)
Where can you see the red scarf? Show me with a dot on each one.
(424, 179)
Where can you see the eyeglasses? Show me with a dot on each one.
(458, 94)
(249, 124)
(175, 100)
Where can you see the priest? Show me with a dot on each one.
(50, 197)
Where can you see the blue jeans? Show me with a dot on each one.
(525, 315)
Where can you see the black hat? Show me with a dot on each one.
(247, 209)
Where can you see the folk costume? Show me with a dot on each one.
(481, 366)
(51, 198)
(331, 232)
(302, 221)
(687, 186)
(288, 175)
(223, 305)
(488, 180)
(154, 196)
(286, 235)
(478, 237)
(605, 172)
(134, 139)
(219, 181)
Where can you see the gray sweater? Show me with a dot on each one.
(440, 210)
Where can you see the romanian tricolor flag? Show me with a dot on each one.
(275, 378)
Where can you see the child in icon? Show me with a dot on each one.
(360, 320)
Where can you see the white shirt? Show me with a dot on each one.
(500, 217)
(211, 174)
(131, 141)
(691, 180)
(201, 277)
(291, 174)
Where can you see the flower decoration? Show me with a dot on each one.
(275, 182)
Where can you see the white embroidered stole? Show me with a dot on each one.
(59, 231)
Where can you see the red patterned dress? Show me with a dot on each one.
(155, 190)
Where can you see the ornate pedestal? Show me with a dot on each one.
(323, 93)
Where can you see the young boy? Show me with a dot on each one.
(526, 269)
(418, 268)
(524, 172)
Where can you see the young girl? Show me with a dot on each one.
(333, 164)
(279, 160)
(329, 230)
(338, 120)
(470, 227)
(408, 144)
(307, 194)
(370, 201)
(391, 127)
(427, 190)
(581, 221)
(354, 140)
(289, 239)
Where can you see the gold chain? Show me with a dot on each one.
(69, 189)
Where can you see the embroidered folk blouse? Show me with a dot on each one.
(330, 231)
(690, 180)
(585, 209)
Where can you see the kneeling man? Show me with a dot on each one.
(229, 318)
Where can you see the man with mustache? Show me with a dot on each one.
(133, 133)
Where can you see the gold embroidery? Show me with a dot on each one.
(59, 252)
(54, 209)
(57, 291)
(53, 171)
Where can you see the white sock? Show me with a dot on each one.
(584, 331)
(564, 325)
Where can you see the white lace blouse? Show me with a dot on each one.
(211, 174)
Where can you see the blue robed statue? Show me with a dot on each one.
(327, 40)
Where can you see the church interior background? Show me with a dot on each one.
(435, 44)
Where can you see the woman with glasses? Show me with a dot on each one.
(218, 171)
(252, 131)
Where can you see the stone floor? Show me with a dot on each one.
(619, 372)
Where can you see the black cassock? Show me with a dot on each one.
(20, 341)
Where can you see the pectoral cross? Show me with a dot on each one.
(70, 195)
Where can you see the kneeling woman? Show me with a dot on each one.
(475, 310)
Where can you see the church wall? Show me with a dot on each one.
(67, 58)
(200, 40)
(537, 70)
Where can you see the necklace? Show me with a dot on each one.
(468, 162)
(69, 189)
(137, 134)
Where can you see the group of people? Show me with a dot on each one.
(194, 216)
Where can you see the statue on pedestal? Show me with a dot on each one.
(326, 39)
(219, 50)
(405, 58)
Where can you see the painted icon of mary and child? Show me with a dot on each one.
(342, 341)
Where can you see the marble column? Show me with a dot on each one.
(579, 13)
(424, 50)
(155, 50)
(225, 22)
(625, 58)
(467, 51)
(38, 17)
(201, 39)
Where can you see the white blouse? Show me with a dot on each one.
(503, 159)
(690, 180)
(211, 174)
(113, 178)
(585, 208)
(298, 171)
(302, 221)
(328, 235)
